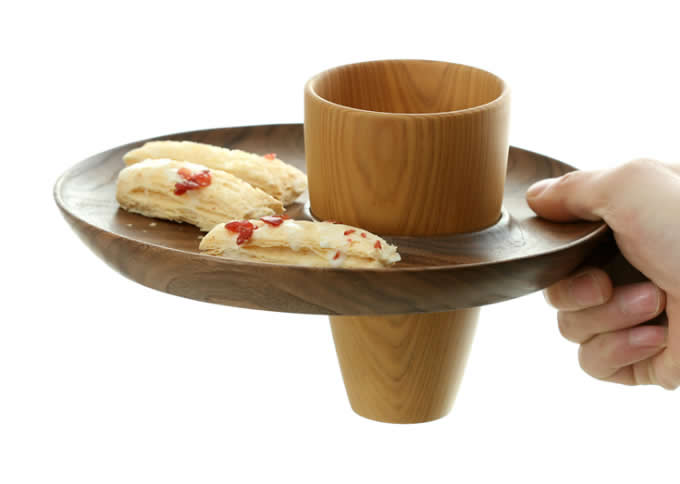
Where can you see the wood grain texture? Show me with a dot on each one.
(404, 368)
(407, 147)
(519, 255)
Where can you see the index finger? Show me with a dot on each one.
(587, 288)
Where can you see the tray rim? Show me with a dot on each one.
(599, 231)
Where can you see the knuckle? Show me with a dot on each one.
(666, 373)
(565, 326)
(633, 170)
(670, 379)
(567, 179)
(640, 165)
(584, 193)
(670, 386)
(623, 215)
(668, 383)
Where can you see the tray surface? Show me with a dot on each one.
(518, 255)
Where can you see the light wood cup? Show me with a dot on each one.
(406, 147)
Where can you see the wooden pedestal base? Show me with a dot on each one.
(403, 368)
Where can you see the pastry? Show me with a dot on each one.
(281, 180)
(188, 192)
(280, 240)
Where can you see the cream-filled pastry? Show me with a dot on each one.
(280, 240)
(281, 180)
(192, 193)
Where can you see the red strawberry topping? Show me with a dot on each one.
(243, 228)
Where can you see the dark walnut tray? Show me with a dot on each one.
(518, 255)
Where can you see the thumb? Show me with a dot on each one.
(640, 189)
(578, 195)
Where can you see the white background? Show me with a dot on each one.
(103, 380)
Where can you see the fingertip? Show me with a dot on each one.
(662, 301)
(590, 288)
(603, 355)
(647, 336)
(603, 282)
(567, 198)
(543, 201)
(539, 187)
(534, 197)
(643, 299)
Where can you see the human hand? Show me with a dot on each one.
(640, 201)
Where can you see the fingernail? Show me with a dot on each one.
(645, 301)
(585, 291)
(647, 336)
(537, 188)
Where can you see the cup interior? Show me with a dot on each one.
(408, 86)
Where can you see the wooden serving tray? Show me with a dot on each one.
(518, 255)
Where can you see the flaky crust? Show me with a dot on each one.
(319, 244)
(148, 188)
(281, 180)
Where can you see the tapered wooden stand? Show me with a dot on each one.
(406, 147)
(404, 368)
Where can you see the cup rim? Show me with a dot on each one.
(505, 91)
